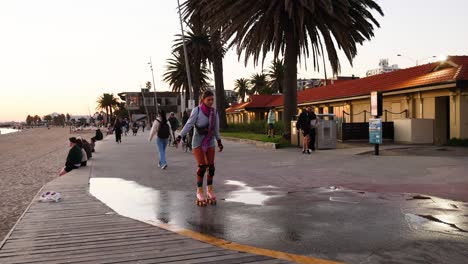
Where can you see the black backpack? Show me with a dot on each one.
(163, 131)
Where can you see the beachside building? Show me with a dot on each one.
(143, 103)
(425, 104)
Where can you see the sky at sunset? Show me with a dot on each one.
(60, 55)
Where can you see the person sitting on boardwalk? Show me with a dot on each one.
(87, 148)
(205, 119)
(98, 136)
(73, 158)
(93, 144)
(84, 156)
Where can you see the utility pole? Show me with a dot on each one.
(187, 64)
(154, 86)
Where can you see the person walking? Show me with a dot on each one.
(303, 124)
(125, 126)
(314, 121)
(135, 128)
(174, 126)
(161, 129)
(185, 118)
(205, 119)
(143, 125)
(118, 131)
(271, 122)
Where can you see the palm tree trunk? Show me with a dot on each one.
(107, 115)
(290, 80)
(216, 48)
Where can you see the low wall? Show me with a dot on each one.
(360, 131)
(414, 131)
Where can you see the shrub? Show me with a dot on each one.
(257, 127)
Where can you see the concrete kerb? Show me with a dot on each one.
(258, 144)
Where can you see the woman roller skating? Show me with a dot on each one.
(205, 119)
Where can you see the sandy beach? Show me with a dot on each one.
(28, 160)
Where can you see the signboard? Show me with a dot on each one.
(376, 104)
(375, 131)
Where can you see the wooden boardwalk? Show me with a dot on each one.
(80, 229)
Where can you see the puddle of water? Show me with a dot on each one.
(342, 200)
(431, 223)
(127, 198)
(247, 194)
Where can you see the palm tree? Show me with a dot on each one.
(176, 75)
(276, 76)
(107, 102)
(294, 29)
(242, 87)
(259, 84)
(199, 47)
(218, 51)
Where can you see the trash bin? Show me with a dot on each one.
(295, 134)
(326, 131)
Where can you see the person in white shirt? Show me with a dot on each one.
(271, 122)
(162, 130)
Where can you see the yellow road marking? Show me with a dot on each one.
(243, 248)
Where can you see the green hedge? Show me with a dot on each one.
(458, 142)
(257, 127)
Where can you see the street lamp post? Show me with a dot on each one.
(154, 86)
(416, 60)
(187, 64)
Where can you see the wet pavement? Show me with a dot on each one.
(328, 205)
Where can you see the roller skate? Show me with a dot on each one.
(201, 200)
(211, 199)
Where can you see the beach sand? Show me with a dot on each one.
(28, 160)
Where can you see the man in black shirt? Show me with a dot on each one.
(73, 158)
(174, 126)
(304, 124)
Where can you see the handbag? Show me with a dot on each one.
(201, 130)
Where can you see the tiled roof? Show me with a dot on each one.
(260, 101)
(236, 107)
(402, 79)
(254, 101)
(423, 75)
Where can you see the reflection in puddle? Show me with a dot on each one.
(127, 198)
(431, 223)
(247, 195)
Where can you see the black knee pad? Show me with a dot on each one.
(211, 170)
(201, 170)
